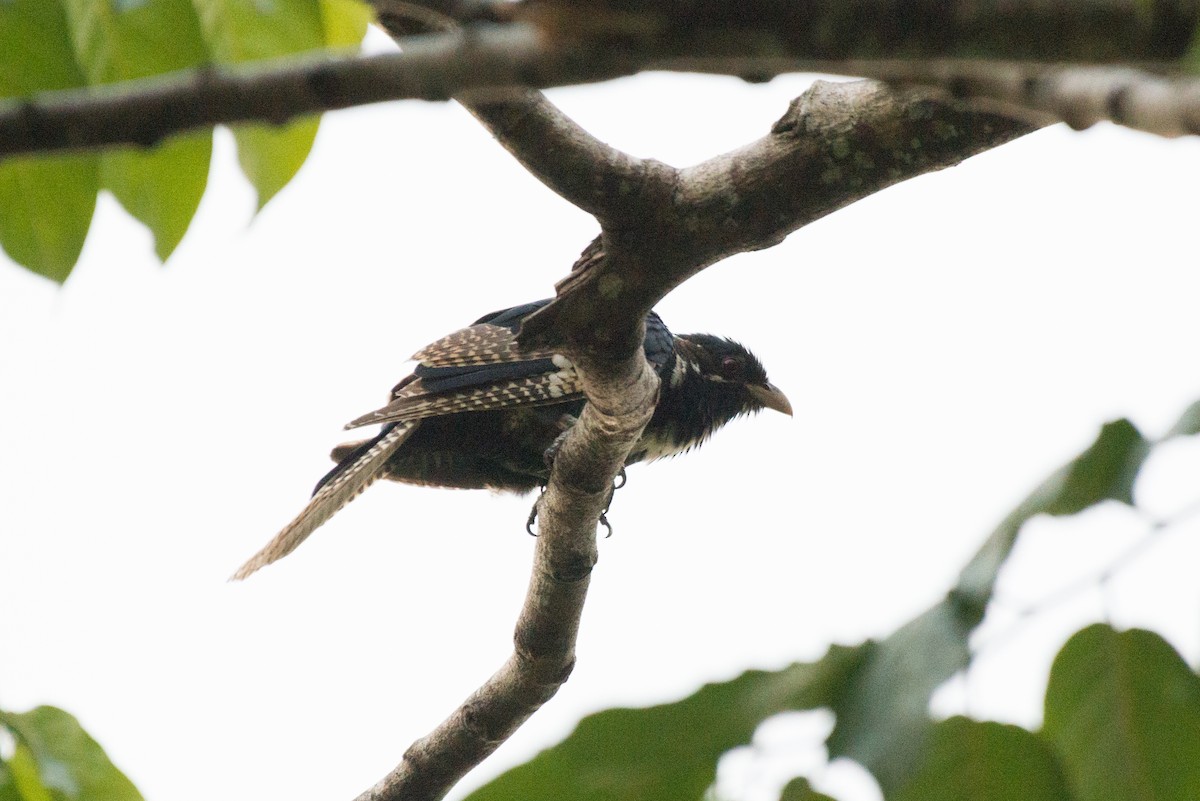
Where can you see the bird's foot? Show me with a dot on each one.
(617, 484)
(533, 513)
(549, 457)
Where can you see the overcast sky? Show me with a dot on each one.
(945, 344)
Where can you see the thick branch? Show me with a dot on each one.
(557, 42)
(1079, 96)
(586, 172)
(1097, 31)
(596, 177)
(431, 67)
(837, 144)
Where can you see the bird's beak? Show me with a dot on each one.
(771, 397)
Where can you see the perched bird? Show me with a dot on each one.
(478, 413)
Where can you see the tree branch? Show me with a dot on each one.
(1078, 96)
(541, 43)
(596, 177)
(837, 144)
(1098, 31)
(431, 68)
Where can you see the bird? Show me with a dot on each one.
(477, 412)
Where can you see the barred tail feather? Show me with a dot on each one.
(338, 491)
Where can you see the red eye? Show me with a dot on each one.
(731, 366)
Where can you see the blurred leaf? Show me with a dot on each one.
(46, 207)
(68, 763)
(1188, 423)
(35, 49)
(19, 779)
(23, 782)
(882, 717)
(798, 789)
(271, 157)
(116, 42)
(248, 30)
(345, 22)
(1105, 471)
(882, 714)
(46, 204)
(161, 187)
(670, 751)
(969, 760)
(1123, 710)
(237, 31)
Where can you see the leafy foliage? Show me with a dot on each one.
(1113, 697)
(669, 751)
(56, 760)
(48, 45)
(1123, 710)
(985, 761)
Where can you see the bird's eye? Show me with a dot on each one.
(731, 367)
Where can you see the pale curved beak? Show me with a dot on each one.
(771, 397)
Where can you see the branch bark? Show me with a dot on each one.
(1167, 106)
(837, 144)
(542, 43)
(434, 67)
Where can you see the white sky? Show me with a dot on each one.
(945, 344)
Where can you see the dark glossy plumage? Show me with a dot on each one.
(477, 413)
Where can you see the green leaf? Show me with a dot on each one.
(116, 42)
(254, 30)
(1123, 710)
(882, 717)
(798, 789)
(271, 157)
(69, 764)
(668, 752)
(22, 782)
(249, 30)
(1188, 423)
(46, 207)
(35, 49)
(1105, 471)
(345, 22)
(969, 759)
(161, 188)
(46, 204)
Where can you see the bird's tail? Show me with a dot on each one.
(343, 486)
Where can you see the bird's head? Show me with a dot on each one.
(732, 374)
(710, 381)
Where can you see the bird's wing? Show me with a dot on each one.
(480, 344)
(474, 370)
(340, 488)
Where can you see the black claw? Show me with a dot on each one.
(533, 516)
(604, 522)
(621, 476)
